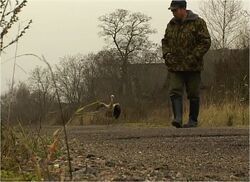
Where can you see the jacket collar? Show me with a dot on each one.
(190, 17)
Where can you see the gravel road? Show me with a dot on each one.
(123, 153)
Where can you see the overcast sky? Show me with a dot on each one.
(68, 27)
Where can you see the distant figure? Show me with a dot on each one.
(112, 109)
(185, 42)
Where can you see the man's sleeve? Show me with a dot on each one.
(165, 44)
(203, 40)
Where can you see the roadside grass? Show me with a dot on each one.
(231, 115)
(226, 115)
(26, 155)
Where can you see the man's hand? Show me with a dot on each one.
(169, 59)
(166, 56)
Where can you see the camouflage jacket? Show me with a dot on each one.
(185, 43)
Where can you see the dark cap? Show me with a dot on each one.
(175, 4)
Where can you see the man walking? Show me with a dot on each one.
(185, 42)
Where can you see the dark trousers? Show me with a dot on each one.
(189, 79)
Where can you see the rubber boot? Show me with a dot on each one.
(177, 111)
(194, 105)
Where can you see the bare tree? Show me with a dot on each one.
(70, 77)
(243, 40)
(103, 74)
(42, 90)
(129, 33)
(9, 10)
(224, 19)
(22, 106)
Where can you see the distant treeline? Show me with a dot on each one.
(83, 79)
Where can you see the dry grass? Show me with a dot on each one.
(226, 115)
(26, 155)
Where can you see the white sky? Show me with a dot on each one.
(63, 27)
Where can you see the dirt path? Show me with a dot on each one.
(137, 154)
